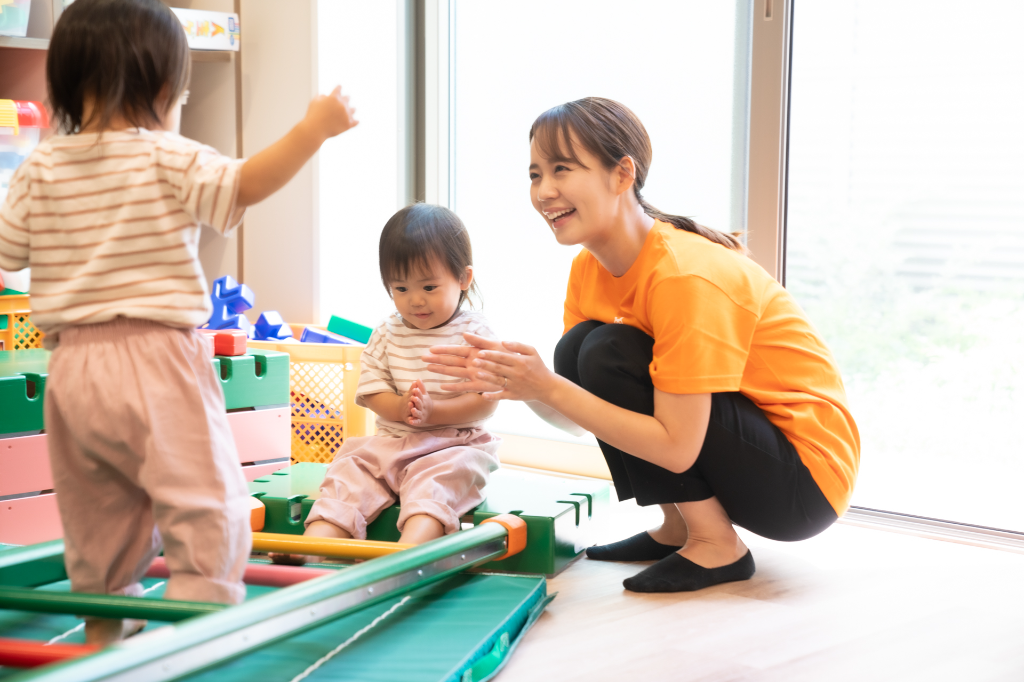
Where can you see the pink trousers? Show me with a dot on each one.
(437, 473)
(142, 453)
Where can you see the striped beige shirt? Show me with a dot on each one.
(392, 361)
(109, 223)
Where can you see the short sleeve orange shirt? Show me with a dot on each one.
(721, 323)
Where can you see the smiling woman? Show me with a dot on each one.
(709, 392)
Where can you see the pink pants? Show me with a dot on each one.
(141, 450)
(437, 473)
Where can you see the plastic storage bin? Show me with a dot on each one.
(324, 378)
(16, 331)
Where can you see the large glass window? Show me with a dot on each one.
(905, 241)
(678, 65)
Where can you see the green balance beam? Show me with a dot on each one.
(205, 642)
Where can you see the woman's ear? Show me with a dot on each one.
(467, 278)
(625, 174)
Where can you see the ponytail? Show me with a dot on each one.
(729, 241)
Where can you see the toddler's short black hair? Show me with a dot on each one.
(422, 233)
(121, 54)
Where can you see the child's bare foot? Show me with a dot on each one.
(105, 631)
(317, 529)
(421, 528)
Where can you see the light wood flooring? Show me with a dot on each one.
(851, 604)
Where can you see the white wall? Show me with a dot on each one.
(359, 170)
(279, 77)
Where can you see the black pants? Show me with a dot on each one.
(745, 462)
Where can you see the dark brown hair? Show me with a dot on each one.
(122, 54)
(422, 233)
(610, 131)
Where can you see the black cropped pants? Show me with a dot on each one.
(746, 461)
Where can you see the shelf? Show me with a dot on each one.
(211, 55)
(25, 43)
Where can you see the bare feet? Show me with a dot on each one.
(105, 631)
(317, 529)
(421, 528)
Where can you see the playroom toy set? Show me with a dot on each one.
(403, 613)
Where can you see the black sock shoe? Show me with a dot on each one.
(640, 547)
(678, 574)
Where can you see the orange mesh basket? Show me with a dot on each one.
(16, 329)
(324, 378)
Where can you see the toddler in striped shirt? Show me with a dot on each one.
(108, 216)
(431, 451)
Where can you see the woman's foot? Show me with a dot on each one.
(317, 529)
(676, 573)
(640, 547)
(105, 631)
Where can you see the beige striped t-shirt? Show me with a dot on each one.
(392, 361)
(109, 223)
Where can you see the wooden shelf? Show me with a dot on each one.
(25, 43)
(211, 55)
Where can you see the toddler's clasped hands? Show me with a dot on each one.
(419, 405)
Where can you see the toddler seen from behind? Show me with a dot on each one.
(108, 217)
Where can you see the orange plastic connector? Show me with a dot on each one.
(257, 514)
(516, 528)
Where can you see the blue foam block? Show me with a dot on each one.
(271, 327)
(230, 299)
(316, 336)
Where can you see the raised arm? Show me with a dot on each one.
(671, 439)
(269, 170)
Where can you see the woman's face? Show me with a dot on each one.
(577, 201)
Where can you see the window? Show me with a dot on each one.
(671, 62)
(905, 241)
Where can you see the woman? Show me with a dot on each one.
(710, 392)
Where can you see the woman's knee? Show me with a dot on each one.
(614, 361)
(567, 351)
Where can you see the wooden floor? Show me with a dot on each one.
(852, 604)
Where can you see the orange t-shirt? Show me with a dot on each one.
(721, 324)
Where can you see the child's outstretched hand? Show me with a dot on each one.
(421, 405)
(331, 114)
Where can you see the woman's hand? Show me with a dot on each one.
(498, 369)
(421, 405)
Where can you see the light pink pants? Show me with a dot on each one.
(438, 473)
(141, 450)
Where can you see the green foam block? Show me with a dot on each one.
(562, 515)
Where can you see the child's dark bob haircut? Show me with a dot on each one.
(128, 57)
(420, 235)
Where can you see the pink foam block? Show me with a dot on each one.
(254, 471)
(28, 520)
(25, 465)
(262, 434)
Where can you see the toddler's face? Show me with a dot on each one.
(428, 298)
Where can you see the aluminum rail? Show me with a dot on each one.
(193, 645)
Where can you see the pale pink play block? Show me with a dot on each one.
(24, 465)
(262, 434)
(29, 520)
(254, 471)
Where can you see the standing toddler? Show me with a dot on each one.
(108, 216)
